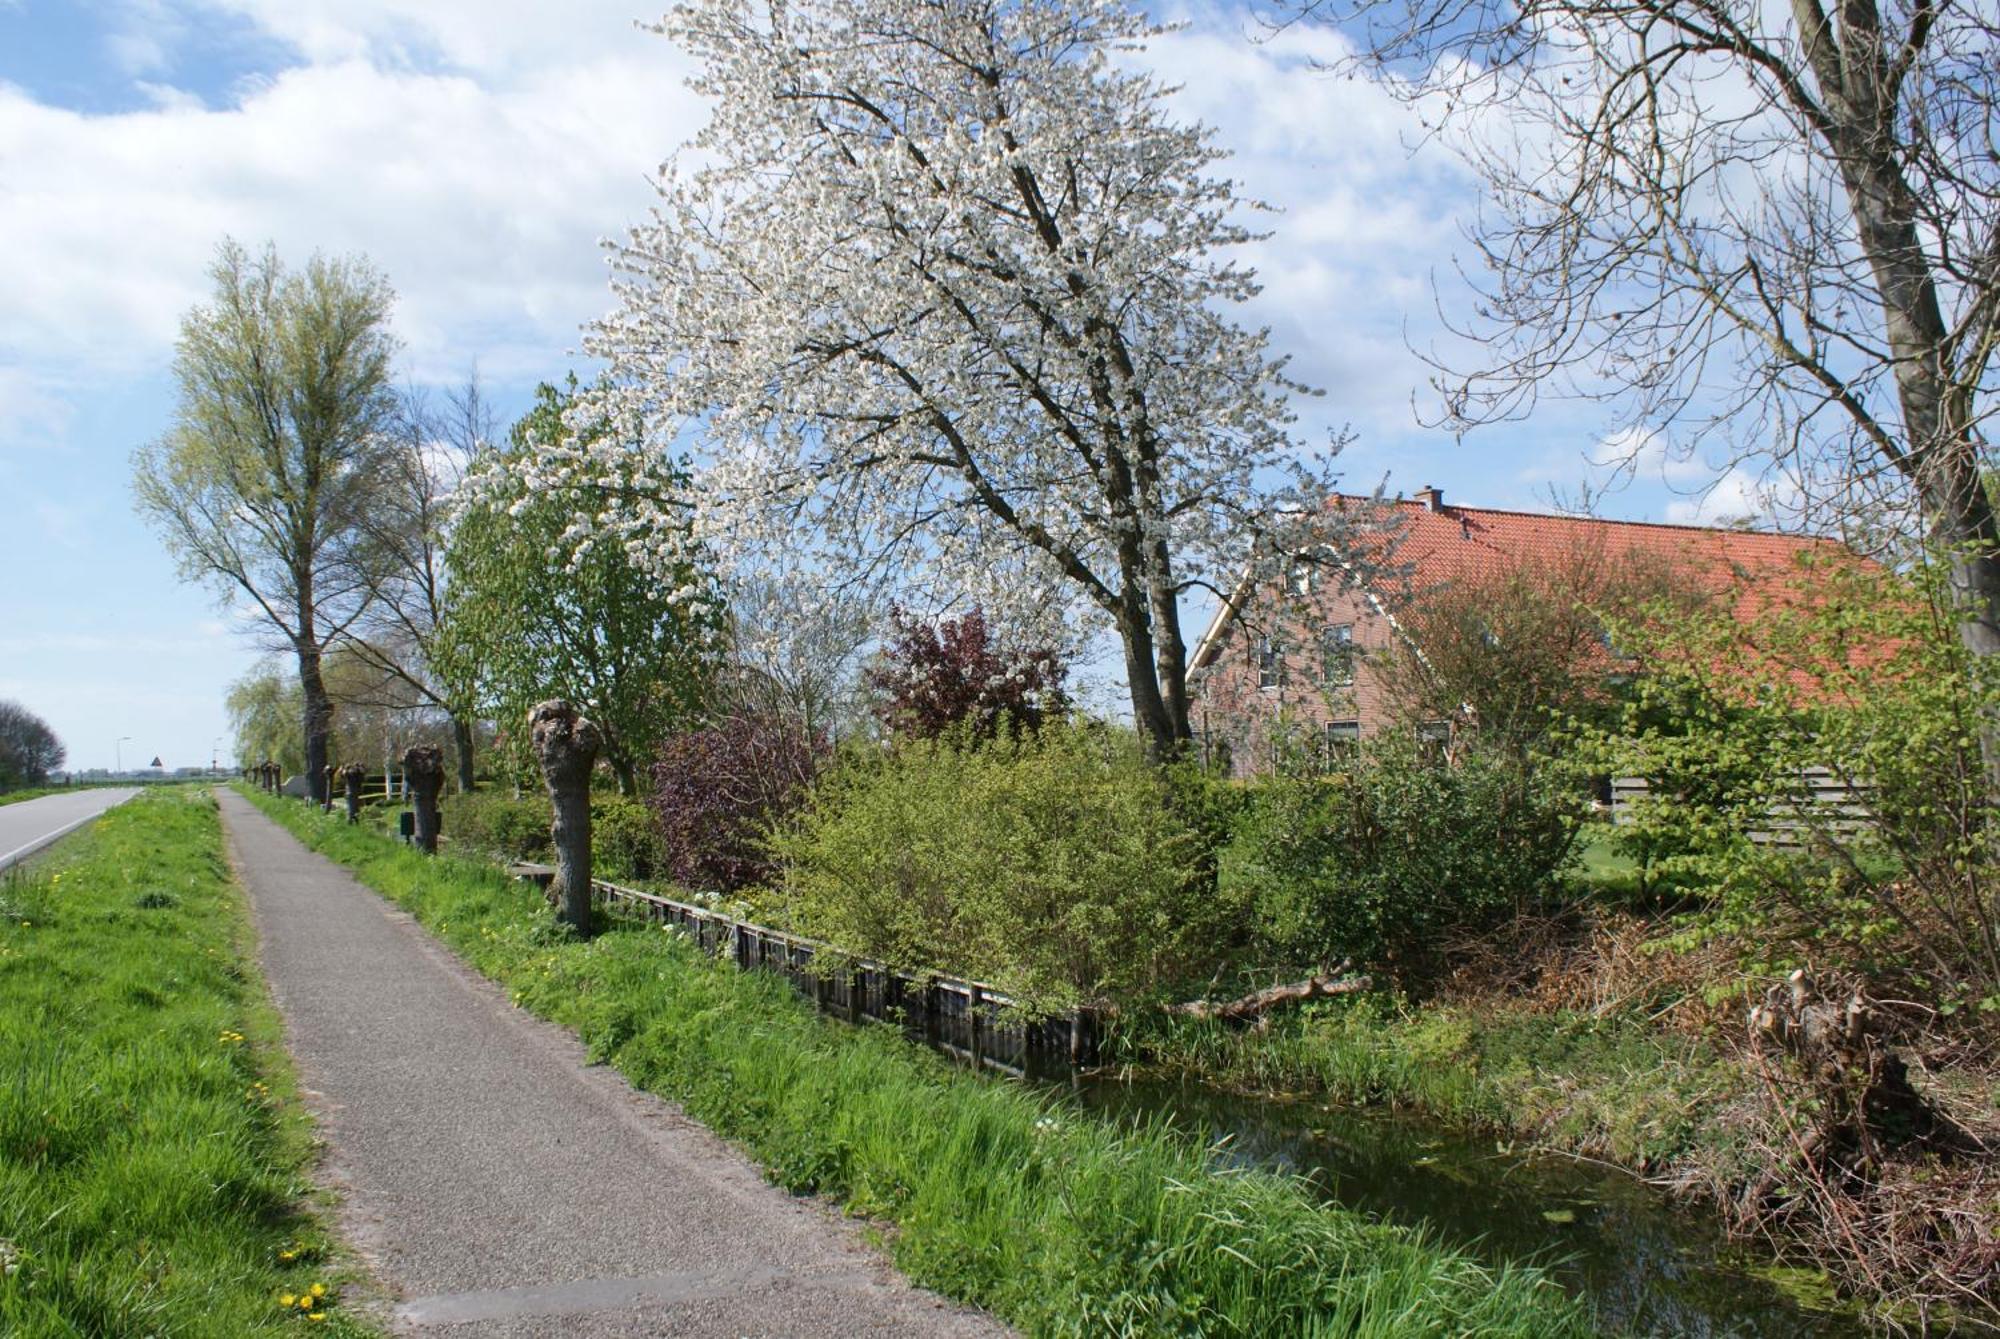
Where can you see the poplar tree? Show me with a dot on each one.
(263, 486)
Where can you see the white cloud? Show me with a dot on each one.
(32, 413)
(478, 151)
(1737, 494)
(1363, 224)
(142, 36)
(482, 202)
(486, 37)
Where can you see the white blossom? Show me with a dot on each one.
(947, 297)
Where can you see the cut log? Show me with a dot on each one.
(1260, 1002)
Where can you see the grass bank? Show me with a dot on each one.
(1609, 1086)
(988, 1194)
(153, 1156)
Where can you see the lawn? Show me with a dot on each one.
(154, 1160)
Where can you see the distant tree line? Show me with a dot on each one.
(29, 749)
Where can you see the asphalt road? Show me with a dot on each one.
(497, 1184)
(27, 827)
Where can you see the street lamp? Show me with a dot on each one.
(118, 755)
(215, 754)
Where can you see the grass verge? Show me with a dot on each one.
(1061, 1226)
(153, 1155)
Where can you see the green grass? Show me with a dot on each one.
(1612, 1087)
(153, 1156)
(989, 1194)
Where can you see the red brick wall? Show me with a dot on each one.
(1230, 710)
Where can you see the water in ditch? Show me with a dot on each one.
(1649, 1267)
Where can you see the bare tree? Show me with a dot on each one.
(399, 638)
(264, 484)
(796, 650)
(1771, 225)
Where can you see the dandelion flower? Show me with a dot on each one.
(319, 1290)
(286, 1299)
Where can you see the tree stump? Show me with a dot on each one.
(1856, 1094)
(350, 784)
(566, 745)
(423, 768)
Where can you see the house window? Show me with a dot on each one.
(1299, 578)
(1340, 741)
(1336, 650)
(1270, 662)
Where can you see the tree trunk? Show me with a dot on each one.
(1170, 654)
(566, 745)
(423, 765)
(461, 745)
(1149, 708)
(1254, 1006)
(318, 717)
(350, 783)
(326, 791)
(1941, 453)
(627, 774)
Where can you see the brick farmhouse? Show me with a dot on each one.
(1308, 660)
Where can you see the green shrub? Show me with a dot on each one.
(1372, 862)
(1057, 866)
(1858, 679)
(625, 843)
(498, 824)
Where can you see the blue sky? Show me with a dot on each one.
(478, 151)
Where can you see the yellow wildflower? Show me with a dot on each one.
(286, 1299)
(316, 1315)
(319, 1290)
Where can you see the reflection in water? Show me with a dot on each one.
(1649, 1268)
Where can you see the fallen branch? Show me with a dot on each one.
(1256, 1004)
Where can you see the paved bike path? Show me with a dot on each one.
(499, 1184)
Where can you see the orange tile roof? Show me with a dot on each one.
(1453, 542)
